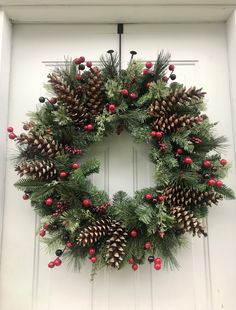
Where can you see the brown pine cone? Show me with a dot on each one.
(187, 221)
(173, 122)
(116, 245)
(176, 98)
(185, 197)
(77, 110)
(36, 169)
(45, 145)
(94, 232)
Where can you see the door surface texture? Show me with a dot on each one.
(207, 274)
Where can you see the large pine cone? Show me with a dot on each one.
(36, 169)
(44, 145)
(93, 233)
(173, 122)
(76, 109)
(116, 245)
(187, 221)
(179, 97)
(185, 197)
(93, 96)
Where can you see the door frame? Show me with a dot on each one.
(6, 29)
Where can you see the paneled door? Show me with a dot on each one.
(205, 280)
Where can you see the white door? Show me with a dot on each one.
(207, 275)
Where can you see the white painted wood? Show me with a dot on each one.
(129, 13)
(211, 71)
(206, 278)
(5, 60)
(114, 2)
(231, 40)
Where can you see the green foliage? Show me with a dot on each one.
(161, 64)
(150, 218)
(90, 166)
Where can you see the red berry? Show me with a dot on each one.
(188, 160)
(46, 226)
(26, 127)
(76, 61)
(25, 196)
(93, 259)
(159, 134)
(148, 196)
(200, 118)
(161, 198)
(78, 77)
(219, 183)
(148, 64)
(89, 64)
(157, 260)
(206, 164)
(147, 245)
(51, 264)
(135, 267)
(42, 232)
(49, 201)
(211, 182)
(112, 108)
(133, 96)
(75, 165)
(57, 261)
(89, 127)
(12, 136)
(131, 261)
(86, 203)
(165, 78)
(133, 233)
(223, 162)
(179, 151)
(124, 92)
(63, 174)
(81, 59)
(10, 129)
(153, 134)
(171, 67)
(53, 100)
(91, 251)
(145, 71)
(157, 266)
(69, 245)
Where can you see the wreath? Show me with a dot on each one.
(79, 221)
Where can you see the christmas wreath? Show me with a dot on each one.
(78, 220)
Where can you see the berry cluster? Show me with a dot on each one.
(72, 150)
(81, 66)
(172, 76)
(154, 199)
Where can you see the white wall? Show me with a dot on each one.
(231, 44)
(5, 59)
(19, 268)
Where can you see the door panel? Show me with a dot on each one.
(202, 282)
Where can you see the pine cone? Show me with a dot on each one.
(44, 145)
(185, 197)
(36, 169)
(179, 97)
(187, 221)
(93, 233)
(94, 101)
(116, 245)
(173, 122)
(76, 109)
